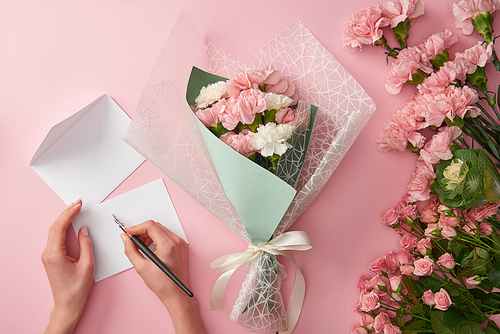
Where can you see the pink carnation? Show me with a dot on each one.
(483, 212)
(442, 299)
(407, 63)
(284, 86)
(466, 10)
(401, 129)
(478, 55)
(285, 116)
(363, 28)
(420, 180)
(249, 103)
(438, 148)
(452, 101)
(239, 142)
(210, 116)
(252, 78)
(229, 114)
(423, 267)
(437, 43)
(446, 260)
(449, 73)
(399, 11)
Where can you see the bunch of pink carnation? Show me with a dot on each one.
(235, 109)
(365, 26)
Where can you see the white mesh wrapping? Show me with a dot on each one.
(164, 132)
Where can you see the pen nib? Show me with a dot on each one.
(122, 226)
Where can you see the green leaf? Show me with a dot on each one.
(453, 317)
(463, 257)
(494, 273)
(455, 246)
(489, 330)
(414, 327)
(470, 327)
(471, 185)
(270, 116)
(425, 283)
(476, 267)
(417, 308)
(437, 323)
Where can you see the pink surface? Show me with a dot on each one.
(59, 56)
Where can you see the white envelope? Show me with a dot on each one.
(85, 156)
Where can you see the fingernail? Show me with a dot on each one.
(85, 231)
(72, 203)
(122, 236)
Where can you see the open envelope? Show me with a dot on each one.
(85, 156)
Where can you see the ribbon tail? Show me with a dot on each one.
(217, 297)
(297, 296)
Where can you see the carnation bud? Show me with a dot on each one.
(483, 22)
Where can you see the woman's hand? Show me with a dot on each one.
(70, 279)
(173, 252)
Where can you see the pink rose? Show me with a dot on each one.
(437, 43)
(446, 260)
(405, 257)
(408, 242)
(381, 320)
(447, 232)
(399, 11)
(432, 231)
(443, 300)
(378, 266)
(251, 102)
(406, 269)
(438, 148)
(363, 28)
(377, 282)
(406, 65)
(358, 330)
(391, 261)
(366, 321)
(428, 298)
(478, 55)
(369, 301)
(239, 142)
(485, 229)
(423, 245)
(395, 282)
(484, 211)
(398, 131)
(364, 282)
(392, 329)
(466, 10)
(420, 180)
(423, 267)
(390, 217)
(285, 116)
(473, 280)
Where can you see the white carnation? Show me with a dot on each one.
(211, 93)
(272, 139)
(278, 101)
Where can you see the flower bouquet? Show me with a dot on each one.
(260, 191)
(446, 278)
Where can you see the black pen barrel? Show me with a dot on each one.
(146, 251)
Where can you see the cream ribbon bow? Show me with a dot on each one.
(281, 245)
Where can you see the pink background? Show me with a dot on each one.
(58, 56)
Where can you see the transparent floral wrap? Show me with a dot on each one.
(164, 131)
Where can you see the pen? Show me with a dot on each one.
(152, 256)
